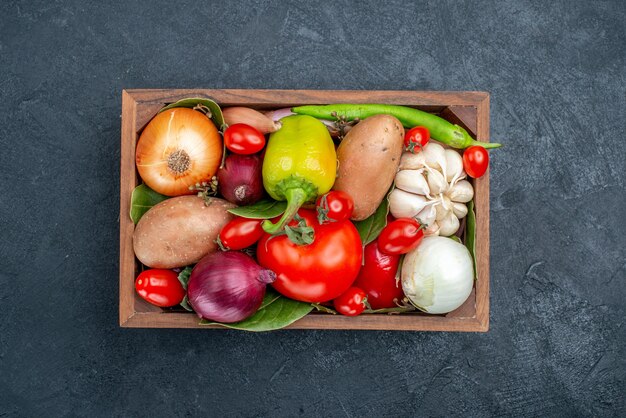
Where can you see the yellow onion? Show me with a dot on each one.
(179, 148)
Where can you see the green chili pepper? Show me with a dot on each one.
(439, 128)
(300, 163)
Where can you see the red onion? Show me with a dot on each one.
(240, 180)
(227, 286)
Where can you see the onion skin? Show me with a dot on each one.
(254, 118)
(240, 181)
(227, 286)
(177, 149)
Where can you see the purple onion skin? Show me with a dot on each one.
(227, 286)
(240, 181)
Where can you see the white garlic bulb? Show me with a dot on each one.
(431, 188)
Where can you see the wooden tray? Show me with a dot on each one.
(468, 109)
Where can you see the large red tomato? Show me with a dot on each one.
(378, 278)
(317, 272)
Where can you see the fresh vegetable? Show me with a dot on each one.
(180, 231)
(227, 286)
(239, 181)
(400, 236)
(317, 272)
(334, 206)
(300, 163)
(475, 161)
(439, 128)
(368, 160)
(437, 276)
(243, 139)
(263, 209)
(251, 117)
(415, 139)
(430, 187)
(275, 312)
(160, 287)
(335, 128)
(177, 149)
(351, 302)
(240, 233)
(377, 278)
(370, 228)
(142, 199)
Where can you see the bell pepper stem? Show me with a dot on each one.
(295, 197)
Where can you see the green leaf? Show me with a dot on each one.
(470, 233)
(263, 209)
(142, 199)
(214, 109)
(184, 275)
(185, 304)
(370, 228)
(278, 314)
(270, 297)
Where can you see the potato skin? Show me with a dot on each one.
(369, 156)
(180, 231)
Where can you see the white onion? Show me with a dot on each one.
(438, 275)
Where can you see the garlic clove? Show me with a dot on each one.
(448, 225)
(442, 210)
(410, 161)
(461, 192)
(436, 181)
(459, 209)
(406, 205)
(412, 181)
(435, 157)
(454, 164)
(427, 215)
(432, 229)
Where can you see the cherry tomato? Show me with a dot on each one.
(377, 278)
(351, 302)
(160, 287)
(400, 236)
(243, 139)
(416, 138)
(316, 272)
(334, 206)
(475, 161)
(240, 233)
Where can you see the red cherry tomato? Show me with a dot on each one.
(416, 138)
(377, 278)
(334, 206)
(400, 236)
(475, 161)
(243, 139)
(160, 287)
(351, 302)
(316, 272)
(240, 233)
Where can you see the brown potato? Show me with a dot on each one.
(368, 157)
(180, 231)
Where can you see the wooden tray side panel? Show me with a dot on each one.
(128, 181)
(481, 200)
(471, 109)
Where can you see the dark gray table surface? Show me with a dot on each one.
(556, 72)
